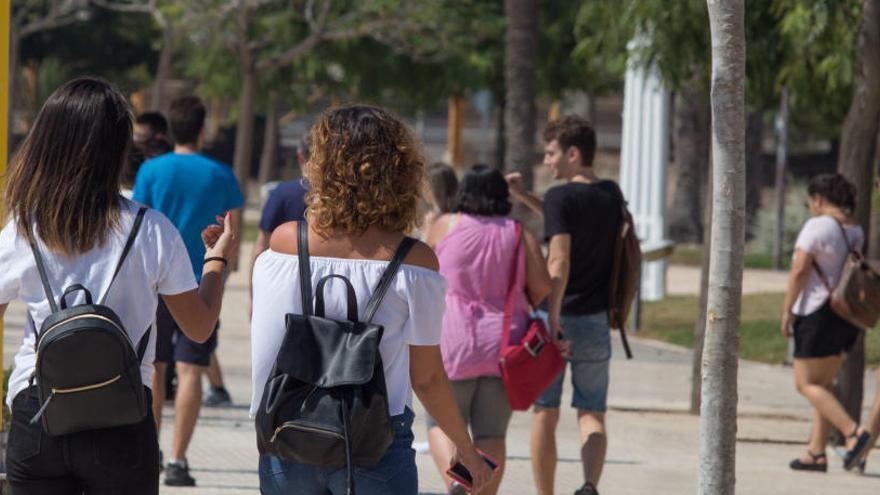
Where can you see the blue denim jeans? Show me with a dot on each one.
(394, 475)
(590, 339)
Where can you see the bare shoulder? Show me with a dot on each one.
(283, 238)
(423, 256)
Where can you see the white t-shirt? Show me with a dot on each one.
(821, 237)
(157, 264)
(411, 313)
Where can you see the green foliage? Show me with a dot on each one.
(116, 46)
(821, 61)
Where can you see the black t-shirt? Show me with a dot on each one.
(591, 214)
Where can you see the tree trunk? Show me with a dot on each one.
(158, 98)
(520, 76)
(700, 325)
(14, 57)
(781, 159)
(269, 155)
(691, 142)
(455, 107)
(244, 132)
(855, 162)
(717, 473)
(754, 162)
(500, 141)
(874, 242)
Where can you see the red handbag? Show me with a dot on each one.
(529, 367)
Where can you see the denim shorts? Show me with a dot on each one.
(394, 475)
(590, 339)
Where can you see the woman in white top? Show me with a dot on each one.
(821, 336)
(365, 174)
(63, 193)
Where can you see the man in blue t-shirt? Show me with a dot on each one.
(286, 203)
(191, 190)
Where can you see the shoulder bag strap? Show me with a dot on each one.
(305, 269)
(135, 228)
(387, 277)
(44, 278)
(511, 290)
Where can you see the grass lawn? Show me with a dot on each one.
(693, 256)
(672, 320)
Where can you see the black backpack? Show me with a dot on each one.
(88, 375)
(325, 402)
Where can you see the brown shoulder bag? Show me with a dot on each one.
(856, 298)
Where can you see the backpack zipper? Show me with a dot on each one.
(71, 390)
(86, 388)
(290, 425)
(91, 315)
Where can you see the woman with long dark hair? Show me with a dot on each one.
(821, 337)
(482, 253)
(62, 192)
(365, 175)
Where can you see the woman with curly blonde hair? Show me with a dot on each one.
(365, 174)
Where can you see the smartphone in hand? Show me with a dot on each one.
(461, 474)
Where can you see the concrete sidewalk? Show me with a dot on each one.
(653, 444)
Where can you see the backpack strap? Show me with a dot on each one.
(387, 277)
(44, 278)
(849, 249)
(142, 345)
(135, 228)
(305, 270)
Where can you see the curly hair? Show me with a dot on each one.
(836, 189)
(364, 169)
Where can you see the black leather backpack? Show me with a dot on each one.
(88, 375)
(325, 402)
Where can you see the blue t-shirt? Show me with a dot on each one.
(286, 203)
(191, 190)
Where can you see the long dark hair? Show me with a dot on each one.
(483, 191)
(65, 176)
(443, 185)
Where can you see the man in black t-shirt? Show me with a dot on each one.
(581, 220)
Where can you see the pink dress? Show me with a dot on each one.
(476, 257)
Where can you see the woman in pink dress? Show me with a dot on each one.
(476, 246)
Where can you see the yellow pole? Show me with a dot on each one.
(455, 108)
(4, 133)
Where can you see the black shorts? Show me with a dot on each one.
(823, 333)
(173, 345)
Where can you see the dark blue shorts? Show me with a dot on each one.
(173, 345)
(395, 474)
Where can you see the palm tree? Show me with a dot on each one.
(520, 76)
(720, 353)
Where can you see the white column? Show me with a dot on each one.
(643, 158)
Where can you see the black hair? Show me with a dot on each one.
(155, 120)
(836, 189)
(443, 185)
(187, 116)
(483, 191)
(139, 153)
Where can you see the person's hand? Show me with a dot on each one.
(515, 184)
(481, 474)
(558, 335)
(218, 238)
(787, 323)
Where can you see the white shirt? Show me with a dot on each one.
(821, 237)
(157, 264)
(411, 313)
